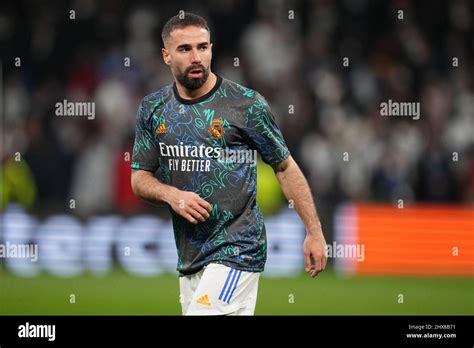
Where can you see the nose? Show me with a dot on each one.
(195, 56)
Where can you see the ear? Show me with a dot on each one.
(166, 56)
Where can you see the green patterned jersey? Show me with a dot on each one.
(209, 146)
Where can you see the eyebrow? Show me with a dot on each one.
(189, 45)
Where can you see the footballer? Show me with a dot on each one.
(201, 133)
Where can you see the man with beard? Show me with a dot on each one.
(218, 227)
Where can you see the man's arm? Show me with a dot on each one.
(187, 204)
(296, 188)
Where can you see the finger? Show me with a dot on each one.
(318, 265)
(315, 273)
(206, 205)
(325, 262)
(307, 261)
(201, 211)
(194, 213)
(189, 218)
(316, 268)
(203, 203)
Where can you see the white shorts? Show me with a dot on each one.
(219, 290)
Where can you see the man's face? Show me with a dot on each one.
(188, 52)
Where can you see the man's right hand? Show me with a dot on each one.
(190, 206)
(185, 203)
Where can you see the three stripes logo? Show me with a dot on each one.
(161, 129)
(204, 300)
(230, 285)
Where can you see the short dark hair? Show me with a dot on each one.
(180, 21)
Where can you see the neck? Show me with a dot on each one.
(196, 93)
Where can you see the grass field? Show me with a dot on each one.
(118, 293)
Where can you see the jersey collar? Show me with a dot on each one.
(201, 98)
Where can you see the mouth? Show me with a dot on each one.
(195, 73)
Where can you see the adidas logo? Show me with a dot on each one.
(161, 129)
(204, 300)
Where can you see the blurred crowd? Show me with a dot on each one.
(292, 52)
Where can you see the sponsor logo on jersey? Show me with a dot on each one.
(193, 158)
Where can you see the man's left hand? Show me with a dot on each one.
(314, 249)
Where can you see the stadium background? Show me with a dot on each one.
(355, 159)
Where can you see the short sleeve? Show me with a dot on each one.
(145, 148)
(263, 134)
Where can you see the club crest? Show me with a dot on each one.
(216, 130)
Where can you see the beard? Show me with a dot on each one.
(193, 83)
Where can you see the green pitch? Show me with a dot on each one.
(119, 293)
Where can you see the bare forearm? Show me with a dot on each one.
(185, 203)
(150, 189)
(296, 189)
